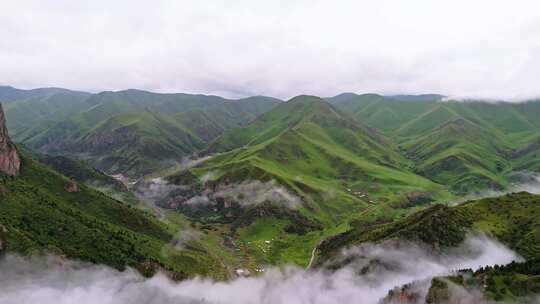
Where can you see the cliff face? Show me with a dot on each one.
(10, 162)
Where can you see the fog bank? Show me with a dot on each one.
(52, 280)
(522, 181)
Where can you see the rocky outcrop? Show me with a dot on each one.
(71, 187)
(10, 162)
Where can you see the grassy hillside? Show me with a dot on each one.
(339, 169)
(513, 219)
(513, 283)
(527, 157)
(468, 145)
(41, 210)
(135, 132)
(462, 155)
(83, 173)
(381, 112)
(30, 108)
(136, 143)
(311, 147)
(414, 115)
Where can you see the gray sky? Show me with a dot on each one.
(462, 48)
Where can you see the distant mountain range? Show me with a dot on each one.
(137, 132)
(260, 181)
(132, 131)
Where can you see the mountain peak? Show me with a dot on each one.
(10, 161)
(305, 99)
(307, 106)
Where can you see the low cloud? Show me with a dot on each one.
(190, 162)
(53, 280)
(253, 193)
(527, 181)
(198, 200)
(522, 181)
(184, 236)
(246, 194)
(207, 177)
(154, 190)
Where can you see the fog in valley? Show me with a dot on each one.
(51, 279)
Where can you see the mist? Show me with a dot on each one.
(151, 191)
(245, 194)
(191, 161)
(184, 236)
(527, 181)
(522, 181)
(251, 193)
(51, 279)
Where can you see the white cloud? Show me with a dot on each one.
(280, 48)
(61, 281)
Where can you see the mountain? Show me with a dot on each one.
(45, 211)
(468, 145)
(511, 218)
(412, 115)
(527, 157)
(333, 168)
(131, 132)
(133, 143)
(29, 108)
(461, 154)
(136, 132)
(383, 113)
(308, 141)
(512, 283)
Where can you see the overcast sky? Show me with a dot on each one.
(464, 48)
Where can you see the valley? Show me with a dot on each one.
(196, 185)
(269, 152)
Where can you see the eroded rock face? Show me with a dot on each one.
(10, 162)
(71, 187)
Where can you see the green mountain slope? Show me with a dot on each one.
(414, 115)
(467, 145)
(135, 132)
(42, 210)
(135, 143)
(30, 108)
(527, 156)
(308, 139)
(372, 109)
(462, 155)
(512, 219)
(337, 168)
(83, 173)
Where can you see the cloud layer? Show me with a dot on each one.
(53, 280)
(484, 48)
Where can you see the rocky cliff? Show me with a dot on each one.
(10, 162)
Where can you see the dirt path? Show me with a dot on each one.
(314, 251)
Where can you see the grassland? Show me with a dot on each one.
(37, 213)
(341, 171)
